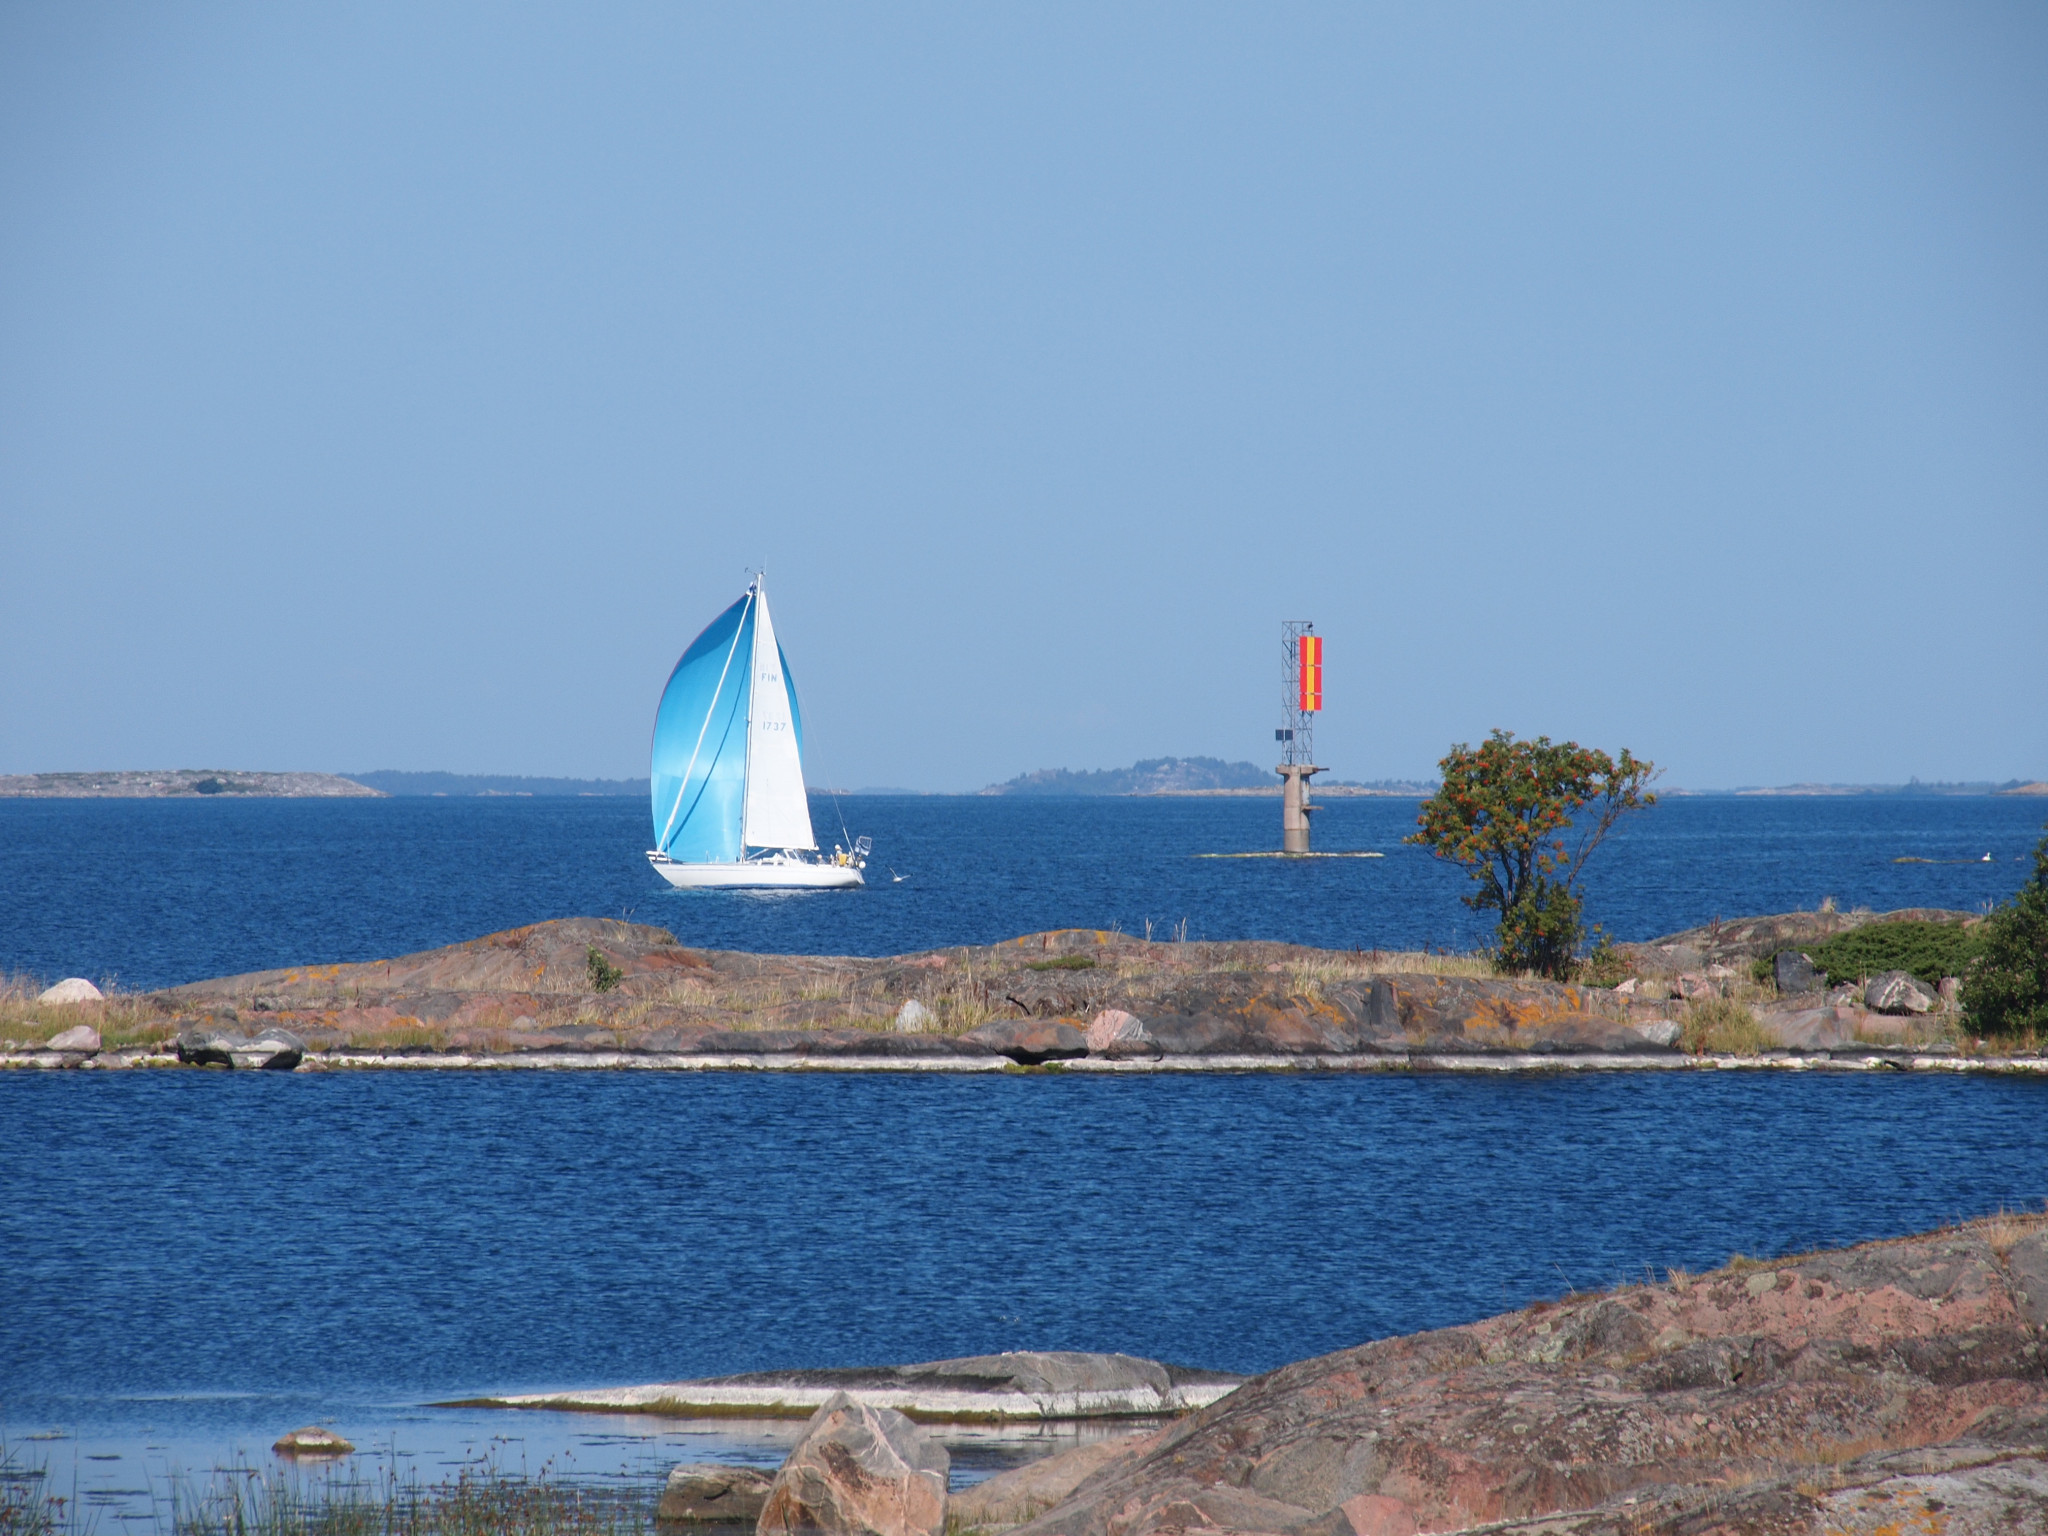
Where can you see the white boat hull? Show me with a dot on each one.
(771, 874)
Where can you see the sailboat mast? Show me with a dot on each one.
(753, 703)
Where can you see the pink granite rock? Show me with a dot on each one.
(859, 1471)
(1740, 1401)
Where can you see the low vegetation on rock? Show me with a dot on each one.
(2005, 992)
(1928, 950)
(598, 990)
(1720, 1026)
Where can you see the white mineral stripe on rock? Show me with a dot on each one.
(623, 1061)
(632, 1061)
(790, 1401)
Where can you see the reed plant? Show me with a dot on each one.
(482, 1500)
(27, 1507)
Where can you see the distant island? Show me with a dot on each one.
(1184, 776)
(1151, 776)
(1912, 788)
(180, 783)
(390, 781)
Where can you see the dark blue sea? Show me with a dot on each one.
(152, 892)
(193, 1263)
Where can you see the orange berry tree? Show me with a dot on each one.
(1509, 812)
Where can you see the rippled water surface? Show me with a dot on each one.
(213, 1258)
(154, 892)
(192, 1263)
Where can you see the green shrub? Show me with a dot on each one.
(1064, 963)
(1606, 966)
(603, 974)
(2005, 992)
(1929, 951)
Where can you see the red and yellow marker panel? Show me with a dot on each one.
(1311, 650)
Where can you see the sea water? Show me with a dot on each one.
(154, 892)
(193, 1263)
(196, 1262)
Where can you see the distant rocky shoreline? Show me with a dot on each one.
(597, 993)
(177, 783)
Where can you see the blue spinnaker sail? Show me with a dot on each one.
(796, 710)
(699, 767)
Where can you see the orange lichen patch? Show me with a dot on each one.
(1061, 938)
(316, 972)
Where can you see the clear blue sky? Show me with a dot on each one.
(404, 386)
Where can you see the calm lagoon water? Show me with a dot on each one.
(191, 1264)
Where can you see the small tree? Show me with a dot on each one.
(2006, 990)
(1503, 813)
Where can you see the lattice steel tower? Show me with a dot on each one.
(1301, 700)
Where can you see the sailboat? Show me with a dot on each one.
(728, 776)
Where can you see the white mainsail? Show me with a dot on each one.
(778, 815)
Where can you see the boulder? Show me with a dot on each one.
(312, 1441)
(1810, 1029)
(1031, 1041)
(81, 1039)
(274, 1050)
(913, 1018)
(1026, 1492)
(72, 989)
(1898, 992)
(1626, 987)
(1794, 973)
(1690, 985)
(859, 1471)
(1119, 1035)
(1886, 1028)
(707, 1493)
(1659, 1031)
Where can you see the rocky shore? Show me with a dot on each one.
(597, 993)
(1016, 1387)
(1888, 1388)
(1898, 1386)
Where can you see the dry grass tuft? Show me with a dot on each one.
(400, 1037)
(1723, 1027)
(122, 1018)
(2002, 1228)
(1363, 965)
